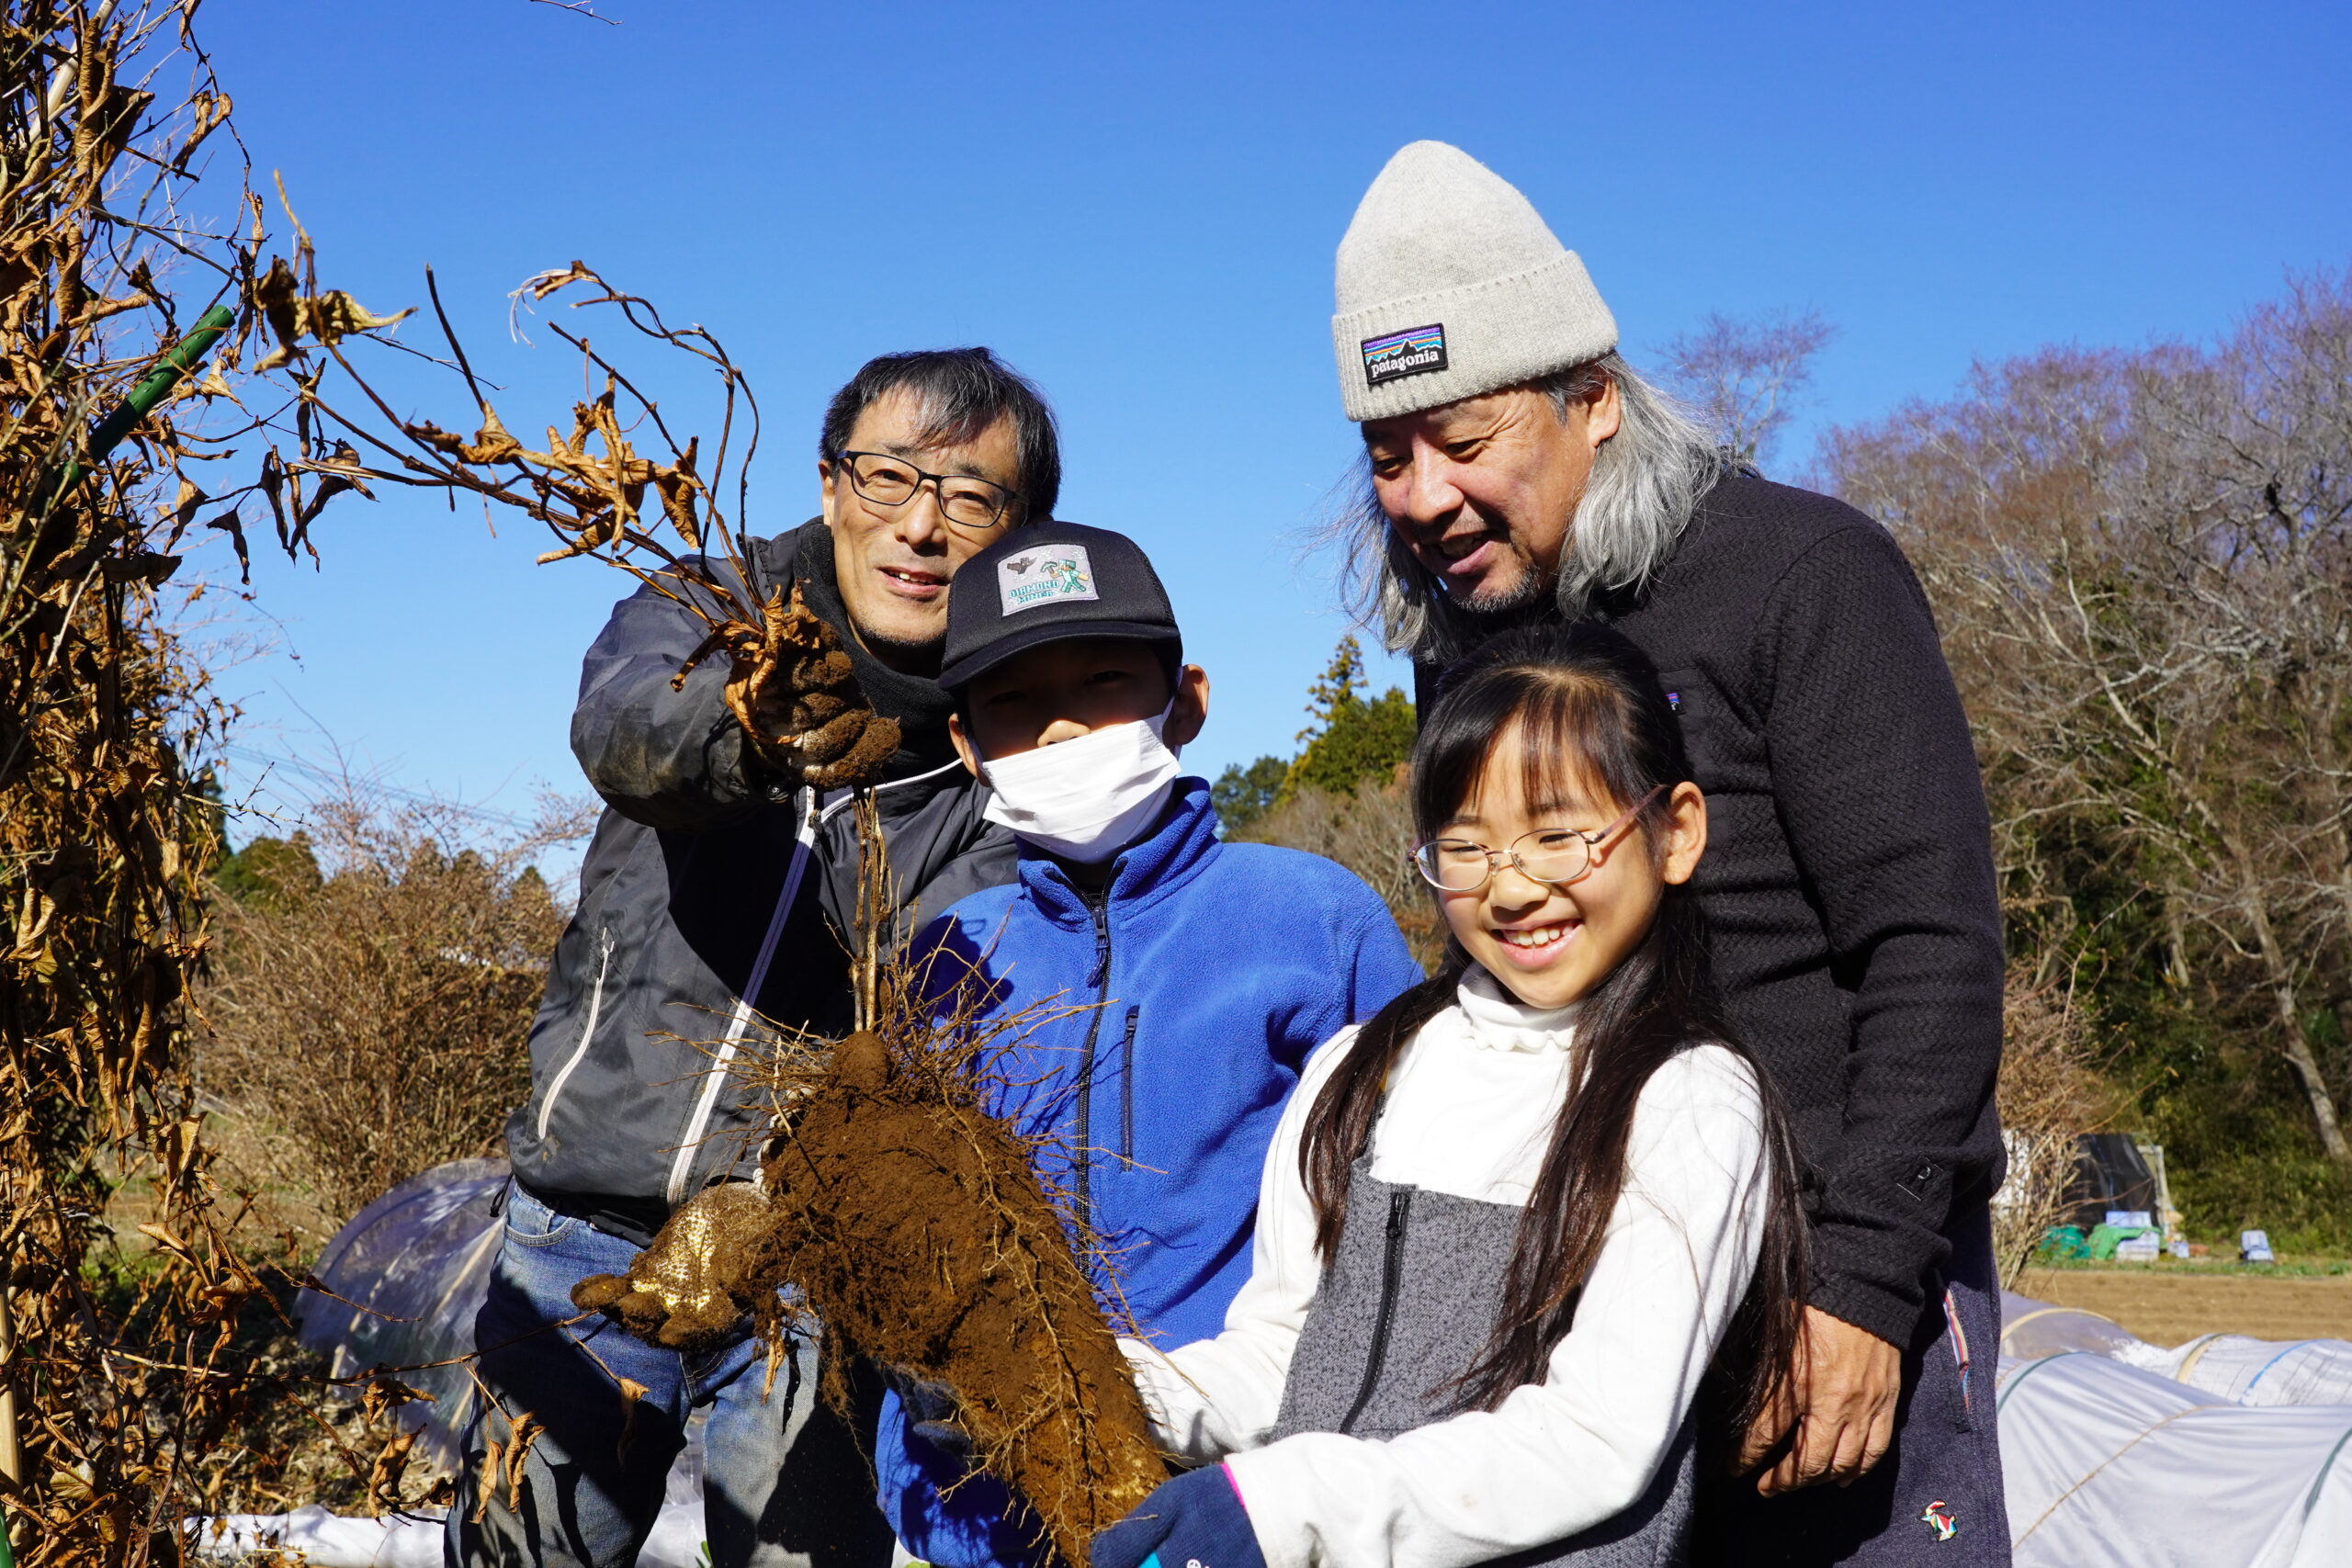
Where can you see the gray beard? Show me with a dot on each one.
(1501, 600)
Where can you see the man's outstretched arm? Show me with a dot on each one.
(669, 758)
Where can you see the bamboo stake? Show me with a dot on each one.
(12, 1453)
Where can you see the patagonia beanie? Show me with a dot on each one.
(1449, 285)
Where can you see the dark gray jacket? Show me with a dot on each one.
(686, 874)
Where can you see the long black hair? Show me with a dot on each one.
(1591, 719)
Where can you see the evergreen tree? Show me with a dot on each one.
(269, 871)
(1351, 739)
(1241, 795)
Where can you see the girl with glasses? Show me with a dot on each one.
(1530, 1238)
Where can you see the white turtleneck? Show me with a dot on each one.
(1470, 1111)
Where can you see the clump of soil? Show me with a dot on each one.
(831, 736)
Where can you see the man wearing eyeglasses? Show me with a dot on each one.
(1517, 469)
(710, 904)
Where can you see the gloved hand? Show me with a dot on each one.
(796, 693)
(691, 1288)
(931, 1410)
(1197, 1519)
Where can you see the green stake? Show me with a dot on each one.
(144, 397)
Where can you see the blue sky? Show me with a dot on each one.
(1138, 205)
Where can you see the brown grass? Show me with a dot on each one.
(2164, 1307)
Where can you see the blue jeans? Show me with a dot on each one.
(783, 1485)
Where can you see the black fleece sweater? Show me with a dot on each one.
(1848, 872)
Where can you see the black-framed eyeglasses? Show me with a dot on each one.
(1553, 856)
(964, 500)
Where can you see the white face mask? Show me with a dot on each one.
(1085, 799)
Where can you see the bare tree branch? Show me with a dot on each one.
(1749, 376)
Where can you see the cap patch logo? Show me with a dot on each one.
(1046, 575)
(1413, 352)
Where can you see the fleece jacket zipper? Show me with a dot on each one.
(1100, 908)
(1127, 1087)
(1392, 1269)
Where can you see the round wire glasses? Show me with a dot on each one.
(1553, 856)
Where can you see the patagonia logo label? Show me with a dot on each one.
(1047, 575)
(1412, 352)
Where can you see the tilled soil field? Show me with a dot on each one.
(2167, 1308)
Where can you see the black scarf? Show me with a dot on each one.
(920, 705)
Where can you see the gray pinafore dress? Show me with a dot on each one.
(1403, 1309)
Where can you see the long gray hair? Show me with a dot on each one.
(1645, 480)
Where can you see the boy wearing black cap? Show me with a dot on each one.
(1204, 973)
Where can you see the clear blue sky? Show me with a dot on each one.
(1138, 205)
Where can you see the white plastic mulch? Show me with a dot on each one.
(2225, 1452)
(330, 1540)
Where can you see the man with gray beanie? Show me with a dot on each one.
(1517, 470)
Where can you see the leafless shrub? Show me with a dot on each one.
(2050, 1091)
(368, 1019)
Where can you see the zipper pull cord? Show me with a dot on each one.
(1085, 1153)
(1101, 945)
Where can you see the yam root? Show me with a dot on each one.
(915, 1228)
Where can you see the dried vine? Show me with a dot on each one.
(117, 1384)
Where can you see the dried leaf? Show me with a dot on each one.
(231, 524)
(161, 1236)
(384, 1476)
(492, 1475)
(334, 315)
(632, 1392)
(525, 1432)
(678, 485)
(540, 285)
(385, 1393)
(274, 296)
(324, 318)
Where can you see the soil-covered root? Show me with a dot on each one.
(910, 1222)
(917, 1228)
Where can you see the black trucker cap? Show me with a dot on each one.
(1047, 582)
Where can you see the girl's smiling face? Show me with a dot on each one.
(1551, 945)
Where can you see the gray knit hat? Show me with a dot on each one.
(1449, 285)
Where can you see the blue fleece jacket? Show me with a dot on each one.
(1218, 968)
